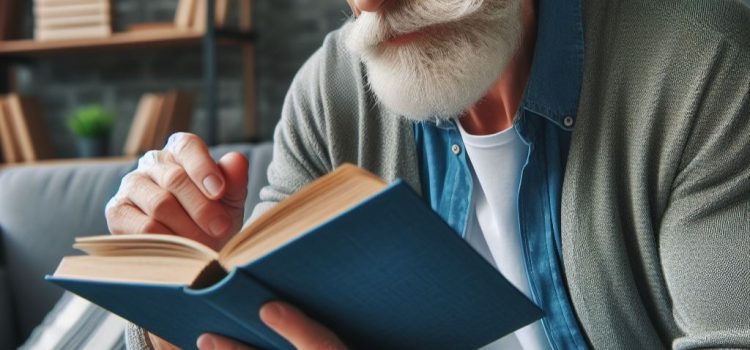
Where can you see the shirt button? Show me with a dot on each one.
(456, 149)
(568, 121)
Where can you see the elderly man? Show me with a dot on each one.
(597, 154)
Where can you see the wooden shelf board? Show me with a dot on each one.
(137, 39)
(69, 162)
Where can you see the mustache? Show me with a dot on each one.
(408, 16)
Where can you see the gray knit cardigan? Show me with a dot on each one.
(656, 195)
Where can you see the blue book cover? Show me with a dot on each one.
(388, 273)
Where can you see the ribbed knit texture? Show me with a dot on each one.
(656, 197)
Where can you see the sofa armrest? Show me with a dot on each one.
(42, 209)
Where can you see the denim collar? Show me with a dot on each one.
(554, 85)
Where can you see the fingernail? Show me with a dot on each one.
(271, 313)
(219, 227)
(205, 342)
(212, 184)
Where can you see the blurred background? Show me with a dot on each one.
(86, 86)
(286, 33)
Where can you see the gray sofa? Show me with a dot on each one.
(42, 209)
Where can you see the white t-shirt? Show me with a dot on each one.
(493, 229)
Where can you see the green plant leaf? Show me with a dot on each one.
(91, 122)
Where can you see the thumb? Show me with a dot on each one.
(216, 342)
(234, 166)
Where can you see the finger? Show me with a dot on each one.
(162, 206)
(208, 214)
(297, 328)
(210, 341)
(160, 344)
(192, 154)
(125, 218)
(234, 167)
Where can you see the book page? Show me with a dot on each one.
(313, 205)
(137, 269)
(145, 245)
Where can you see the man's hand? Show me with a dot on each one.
(303, 332)
(180, 190)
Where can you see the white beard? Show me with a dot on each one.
(443, 73)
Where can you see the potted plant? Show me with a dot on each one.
(93, 125)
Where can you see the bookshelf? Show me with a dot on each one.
(72, 162)
(27, 48)
(13, 52)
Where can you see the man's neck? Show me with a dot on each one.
(495, 111)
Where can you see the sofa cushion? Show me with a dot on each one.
(44, 207)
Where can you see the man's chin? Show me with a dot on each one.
(419, 106)
(423, 95)
(433, 76)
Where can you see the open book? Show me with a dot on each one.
(168, 259)
(370, 260)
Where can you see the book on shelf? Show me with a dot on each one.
(183, 113)
(222, 10)
(200, 17)
(163, 123)
(157, 116)
(192, 14)
(72, 22)
(11, 151)
(102, 31)
(369, 260)
(77, 19)
(146, 115)
(53, 3)
(176, 114)
(30, 132)
(96, 8)
(150, 131)
(183, 18)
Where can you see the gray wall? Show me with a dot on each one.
(289, 31)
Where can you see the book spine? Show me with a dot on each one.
(67, 22)
(101, 8)
(21, 127)
(222, 8)
(139, 124)
(11, 152)
(184, 14)
(53, 3)
(73, 33)
(200, 16)
(224, 297)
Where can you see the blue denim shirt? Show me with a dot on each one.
(544, 122)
